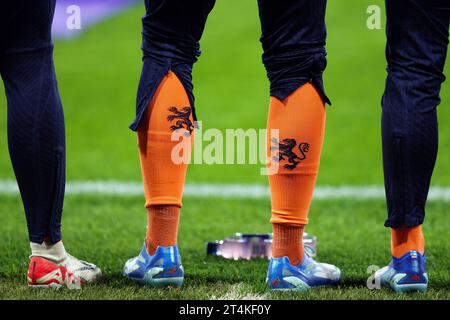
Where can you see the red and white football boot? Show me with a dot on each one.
(43, 273)
(47, 258)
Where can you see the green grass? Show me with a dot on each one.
(110, 230)
(98, 74)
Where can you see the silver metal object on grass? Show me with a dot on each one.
(253, 246)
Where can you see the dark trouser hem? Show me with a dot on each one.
(55, 237)
(413, 217)
(409, 221)
(153, 72)
(294, 85)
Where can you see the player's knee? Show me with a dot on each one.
(410, 100)
(419, 80)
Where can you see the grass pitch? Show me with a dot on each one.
(98, 75)
(110, 230)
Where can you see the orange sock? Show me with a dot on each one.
(406, 239)
(300, 120)
(164, 171)
(287, 241)
(162, 227)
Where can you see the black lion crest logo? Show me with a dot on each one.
(181, 118)
(286, 152)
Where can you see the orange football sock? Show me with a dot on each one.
(406, 239)
(300, 121)
(287, 242)
(162, 227)
(165, 138)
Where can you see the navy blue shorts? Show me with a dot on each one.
(293, 39)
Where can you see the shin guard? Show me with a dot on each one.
(300, 119)
(164, 139)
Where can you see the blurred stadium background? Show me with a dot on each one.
(98, 71)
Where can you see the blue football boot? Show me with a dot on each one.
(405, 274)
(282, 275)
(162, 269)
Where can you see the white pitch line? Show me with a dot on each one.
(208, 190)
